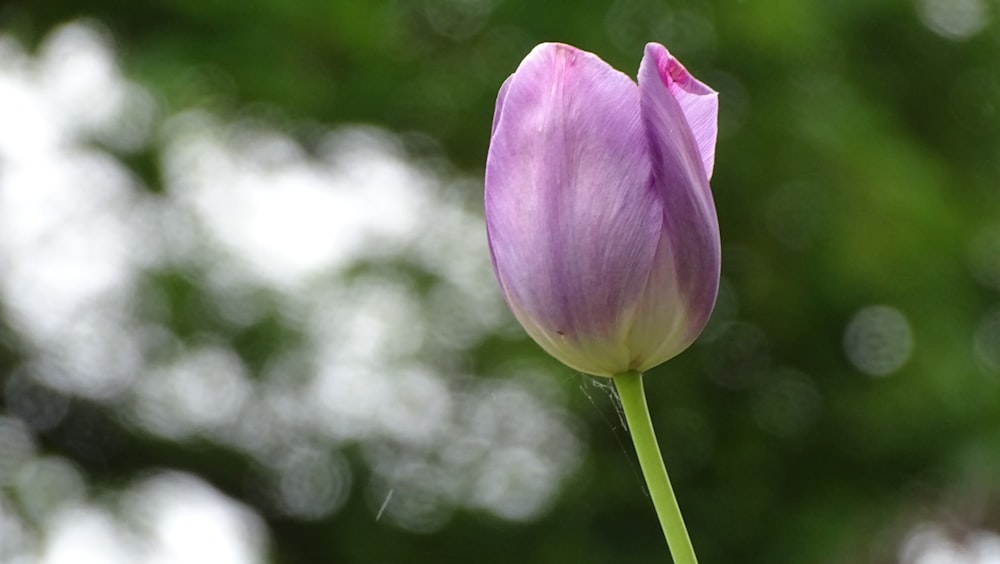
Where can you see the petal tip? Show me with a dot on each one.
(698, 103)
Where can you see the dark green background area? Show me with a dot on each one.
(858, 164)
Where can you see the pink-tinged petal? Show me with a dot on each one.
(572, 216)
(684, 279)
(698, 102)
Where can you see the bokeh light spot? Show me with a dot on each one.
(17, 447)
(311, 483)
(40, 406)
(795, 214)
(878, 340)
(954, 19)
(984, 256)
(931, 543)
(187, 521)
(787, 404)
(202, 389)
(986, 343)
(739, 358)
(47, 485)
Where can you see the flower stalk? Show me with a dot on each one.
(601, 224)
(633, 401)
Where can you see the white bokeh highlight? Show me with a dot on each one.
(878, 340)
(252, 213)
(172, 519)
(954, 19)
(931, 543)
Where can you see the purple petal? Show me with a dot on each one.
(500, 98)
(572, 218)
(698, 102)
(686, 269)
(665, 323)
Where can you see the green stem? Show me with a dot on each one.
(633, 398)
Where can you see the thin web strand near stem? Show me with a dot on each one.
(616, 404)
(607, 387)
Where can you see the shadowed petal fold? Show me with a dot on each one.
(698, 102)
(688, 262)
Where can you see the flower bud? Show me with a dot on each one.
(599, 214)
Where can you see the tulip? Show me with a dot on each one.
(600, 218)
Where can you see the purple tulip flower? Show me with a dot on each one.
(599, 213)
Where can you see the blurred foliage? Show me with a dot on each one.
(858, 166)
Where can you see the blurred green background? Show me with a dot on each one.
(247, 314)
